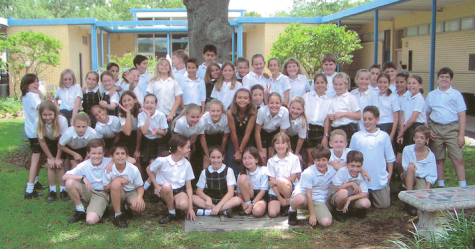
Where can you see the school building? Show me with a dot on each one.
(420, 36)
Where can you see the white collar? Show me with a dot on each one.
(171, 162)
(367, 134)
(211, 170)
(280, 114)
(86, 135)
(94, 91)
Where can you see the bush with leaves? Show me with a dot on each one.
(309, 43)
(29, 52)
(127, 61)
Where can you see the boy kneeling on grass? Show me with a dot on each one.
(419, 164)
(312, 190)
(85, 183)
(350, 187)
(125, 185)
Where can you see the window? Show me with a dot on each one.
(145, 44)
(412, 31)
(424, 29)
(466, 23)
(84, 40)
(471, 62)
(439, 27)
(452, 25)
(399, 36)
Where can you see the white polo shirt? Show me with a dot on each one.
(252, 79)
(269, 123)
(30, 104)
(299, 86)
(230, 179)
(175, 173)
(393, 88)
(109, 129)
(124, 85)
(166, 92)
(142, 86)
(318, 182)
(283, 168)
(202, 70)
(280, 85)
(298, 126)
(444, 107)
(330, 90)
(375, 90)
(414, 104)
(387, 105)
(194, 91)
(344, 103)
(157, 121)
(212, 128)
(68, 96)
(182, 127)
(132, 119)
(317, 107)
(226, 95)
(377, 151)
(343, 176)
(71, 138)
(426, 168)
(131, 173)
(402, 98)
(179, 75)
(259, 179)
(63, 125)
(364, 99)
(94, 174)
(342, 159)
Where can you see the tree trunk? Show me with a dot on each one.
(208, 24)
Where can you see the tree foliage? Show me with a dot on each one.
(101, 9)
(309, 43)
(29, 52)
(252, 13)
(310, 8)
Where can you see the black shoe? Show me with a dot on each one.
(32, 194)
(39, 186)
(127, 212)
(52, 196)
(340, 216)
(284, 211)
(154, 198)
(229, 213)
(168, 218)
(78, 216)
(64, 195)
(360, 213)
(293, 218)
(120, 221)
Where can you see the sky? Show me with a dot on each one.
(263, 7)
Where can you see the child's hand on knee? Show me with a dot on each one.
(283, 201)
(313, 220)
(345, 208)
(248, 209)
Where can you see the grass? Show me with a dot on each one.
(11, 106)
(36, 223)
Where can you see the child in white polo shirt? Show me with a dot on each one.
(388, 105)
(256, 76)
(125, 185)
(446, 110)
(339, 150)
(329, 63)
(193, 87)
(312, 190)
(107, 126)
(172, 176)
(69, 93)
(178, 60)
(379, 156)
(350, 187)
(298, 81)
(216, 129)
(278, 83)
(75, 138)
(226, 85)
(363, 93)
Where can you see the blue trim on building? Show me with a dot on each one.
(57, 21)
(177, 10)
(376, 4)
(140, 23)
(102, 47)
(108, 48)
(259, 20)
(148, 30)
(432, 44)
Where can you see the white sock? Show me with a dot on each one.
(441, 183)
(207, 212)
(155, 191)
(52, 188)
(403, 185)
(146, 185)
(289, 199)
(30, 187)
(290, 209)
(36, 179)
(248, 202)
(126, 206)
(462, 183)
(117, 214)
(172, 211)
(200, 212)
(80, 208)
(62, 188)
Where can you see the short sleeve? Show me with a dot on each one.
(116, 127)
(76, 171)
(286, 84)
(115, 98)
(141, 119)
(354, 105)
(432, 177)
(122, 121)
(338, 179)
(63, 124)
(271, 168)
(189, 172)
(261, 116)
(138, 182)
(179, 126)
(428, 109)
(230, 178)
(306, 180)
(460, 103)
(163, 125)
(295, 165)
(214, 93)
(77, 91)
(353, 142)
(57, 95)
(202, 91)
(150, 88)
(106, 178)
(65, 138)
(264, 180)
(157, 164)
(363, 186)
(419, 105)
(246, 82)
(177, 88)
(395, 104)
(307, 86)
(202, 181)
(388, 151)
(285, 119)
(302, 130)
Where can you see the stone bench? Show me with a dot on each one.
(432, 202)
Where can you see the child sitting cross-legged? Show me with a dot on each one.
(350, 187)
(215, 188)
(312, 190)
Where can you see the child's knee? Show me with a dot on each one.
(342, 194)
(243, 179)
(92, 218)
(298, 200)
(274, 212)
(365, 203)
(116, 185)
(70, 184)
(325, 222)
(182, 204)
(167, 187)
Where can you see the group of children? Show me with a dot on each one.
(262, 138)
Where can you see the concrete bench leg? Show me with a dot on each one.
(431, 224)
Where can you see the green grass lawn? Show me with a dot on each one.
(36, 223)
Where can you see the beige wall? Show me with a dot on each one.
(76, 47)
(120, 44)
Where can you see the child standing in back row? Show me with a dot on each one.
(242, 68)
(298, 82)
(256, 76)
(363, 94)
(210, 52)
(193, 87)
(210, 78)
(446, 111)
(110, 98)
(226, 85)
(329, 69)
(70, 95)
(92, 95)
(388, 105)
(277, 83)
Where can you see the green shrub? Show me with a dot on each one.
(11, 107)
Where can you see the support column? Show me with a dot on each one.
(168, 45)
(232, 49)
(108, 48)
(94, 63)
(338, 65)
(375, 37)
(239, 41)
(432, 44)
(102, 49)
